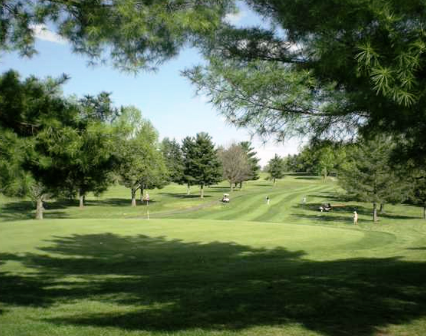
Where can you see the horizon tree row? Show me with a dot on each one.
(197, 162)
(52, 146)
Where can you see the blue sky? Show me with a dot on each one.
(165, 97)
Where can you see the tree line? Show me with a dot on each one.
(368, 170)
(53, 146)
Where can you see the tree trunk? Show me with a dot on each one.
(82, 198)
(231, 184)
(188, 189)
(274, 182)
(241, 185)
(424, 211)
(142, 188)
(202, 191)
(382, 208)
(133, 197)
(374, 212)
(39, 210)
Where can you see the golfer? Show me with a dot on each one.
(355, 218)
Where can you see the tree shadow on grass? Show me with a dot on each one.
(176, 286)
(262, 184)
(340, 208)
(118, 202)
(219, 188)
(329, 197)
(24, 210)
(341, 212)
(185, 196)
(318, 178)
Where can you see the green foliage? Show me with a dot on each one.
(252, 160)
(37, 125)
(173, 157)
(235, 164)
(267, 96)
(188, 152)
(327, 69)
(320, 158)
(134, 34)
(14, 181)
(137, 153)
(341, 67)
(202, 166)
(276, 168)
(93, 160)
(367, 174)
(155, 174)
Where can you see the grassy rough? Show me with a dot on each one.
(244, 268)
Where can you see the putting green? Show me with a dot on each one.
(317, 242)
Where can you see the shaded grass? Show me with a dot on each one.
(189, 279)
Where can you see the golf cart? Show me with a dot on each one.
(325, 207)
(225, 198)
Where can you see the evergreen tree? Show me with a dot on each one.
(134, 34)
(341, 68)
(276, 168)
(188, 152)
(202, 165)
(94, 161)
(38, 126)
(173, 159)
(252, 160)
(368, 176)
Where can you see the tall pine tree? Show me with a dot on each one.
(252, 160)
(368, 176)
(276, 168)
(202, 164)
(173, 157)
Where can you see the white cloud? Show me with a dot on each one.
(42, 32)
(235, 18)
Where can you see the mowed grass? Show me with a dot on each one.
(205, 268)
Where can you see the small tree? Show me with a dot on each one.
(202, 164)
(276, 168)
(173, 158)
(136, 142)
(155, 174)
(189, 154)
(253, 162)
(367, 175)
(235, 165)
